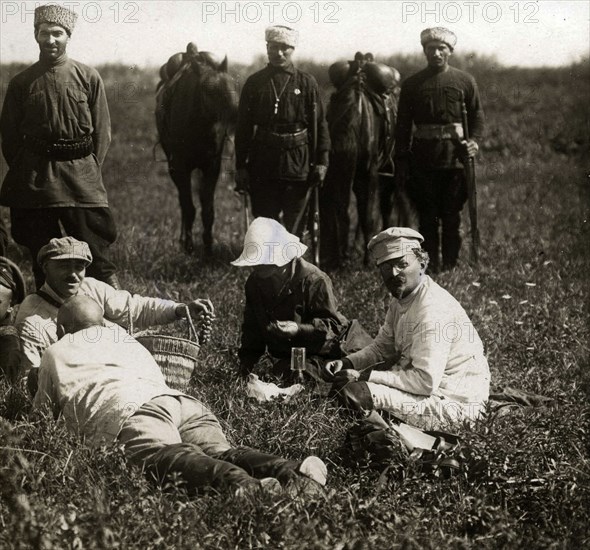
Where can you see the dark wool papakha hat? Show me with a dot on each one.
(12, 278)
(54, 13)
(438, 33)
(66, 248)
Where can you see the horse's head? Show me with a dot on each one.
(218, 95)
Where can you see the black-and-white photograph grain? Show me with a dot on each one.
(294, 274)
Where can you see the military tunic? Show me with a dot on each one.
(431, 100)
(273, 138)
(47, 102)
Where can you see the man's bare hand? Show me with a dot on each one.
(346, 375)
(319, 175)
(470, 148)
(331, 368)
(283, 329)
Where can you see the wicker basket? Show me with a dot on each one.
(176, 357)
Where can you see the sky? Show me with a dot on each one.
(147, 32)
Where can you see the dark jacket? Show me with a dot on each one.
(66, 100)
(431, 97)
(256, 113)
(306, 298)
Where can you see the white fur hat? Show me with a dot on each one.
(438, 33)
(282, 35)
(267, 242)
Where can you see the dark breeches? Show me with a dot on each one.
(439, 196)
(34, 227)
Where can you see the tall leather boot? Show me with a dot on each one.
(197, 470)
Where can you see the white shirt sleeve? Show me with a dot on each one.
(382, 349)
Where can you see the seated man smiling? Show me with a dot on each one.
(64, 262)
(433, 369)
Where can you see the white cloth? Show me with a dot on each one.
(97, 378)
(36, 318)
(435, 352)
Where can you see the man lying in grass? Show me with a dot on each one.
(108, 388)
(432, 368)
(64, 262)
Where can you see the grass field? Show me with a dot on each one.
(529, 300)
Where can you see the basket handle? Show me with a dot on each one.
(192, 331)
(193, 335)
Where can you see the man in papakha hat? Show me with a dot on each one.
(427, 364)
(56, 131)
(64, 262)
(429, 160)
(109, 389)
(274, 134)
(289, 303)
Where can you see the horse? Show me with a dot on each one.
(361, 119)
(196, 111)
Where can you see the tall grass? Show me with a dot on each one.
(527, 483)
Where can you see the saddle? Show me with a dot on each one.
(380, 84)
(381, 78)
(171, 71)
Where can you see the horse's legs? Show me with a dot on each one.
(334, 203)
(386, 191)
(367, 196)
(182, 180)
(207, 198)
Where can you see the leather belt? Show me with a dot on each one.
(61, 149)
(439, 131)
(281, 140)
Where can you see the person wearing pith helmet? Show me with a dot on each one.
(430, 145)
(289, 303)
(427, 364)
(274, 153)
(56, 130)
(64, 262)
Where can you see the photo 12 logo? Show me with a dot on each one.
(270, 12)
(463, 12)
(90, 12)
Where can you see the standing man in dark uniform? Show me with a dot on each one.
(430, 160)
(274, 133)
(56, 130)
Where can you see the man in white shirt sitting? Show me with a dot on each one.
(64, 262)
(430, 359)
(108, 389)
